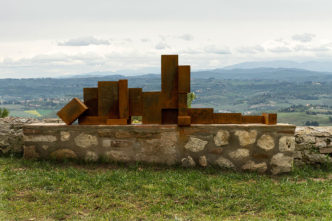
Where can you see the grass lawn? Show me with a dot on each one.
(41, 190)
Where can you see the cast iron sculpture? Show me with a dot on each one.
(113, 103)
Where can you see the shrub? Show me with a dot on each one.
(311, 123)
(4, 112)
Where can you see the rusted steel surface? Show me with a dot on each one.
(201, 115)
(91, 101)
(92, 120)
(169, 81)
(184, 78)
(227, 118)
(182, 104)
(122, 121)
(114, 103)
(135, 102)
(108, 99)
(123, 99)
(151, 108)
(72, 111)
(270, 119)
(184, 120)
(252, 119)
(169, 116)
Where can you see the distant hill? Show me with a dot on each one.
(282, 74)
(320, 66)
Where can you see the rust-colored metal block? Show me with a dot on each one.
(151, 108)
(184, 78)
(182, 104)
(184, 121)
(123, 99)
(122, 121)
(169, 81)
(135, 102)
(91, 101)
(252, 119)
(71, 111)
(270, 119)
(108, 99)
(114, 104)
(227, 118)
(169, 116)
(92, 120)
(201, 115)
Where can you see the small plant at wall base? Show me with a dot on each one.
(4, 112)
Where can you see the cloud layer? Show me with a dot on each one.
(141, 53)
(84, 41)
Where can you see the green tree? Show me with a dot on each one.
(190, 98)
(4, 112)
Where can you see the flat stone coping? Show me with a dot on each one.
(280, 125)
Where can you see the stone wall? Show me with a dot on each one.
(11, 134)
(313, 145)
(261, 148)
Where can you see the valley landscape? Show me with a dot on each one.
(299, 96)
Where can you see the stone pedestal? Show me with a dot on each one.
(253, 147)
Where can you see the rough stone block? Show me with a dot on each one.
(72, 111)
(221, 138)
(246, 137)
(325, 150)
(281, 163)
(30, 152)
(62, 154)
(195, 144)
(266, 142)
(86, 140)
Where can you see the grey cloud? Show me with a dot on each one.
(145, 40)
(162, 45)
(306, 37)
(280, 49)
(216, 50)
(187, 37)
(321, 48)
(84, 41)
(251, 49)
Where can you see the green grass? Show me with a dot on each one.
(299, 118)
(41, 190)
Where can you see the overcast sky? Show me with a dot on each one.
(63, 37)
